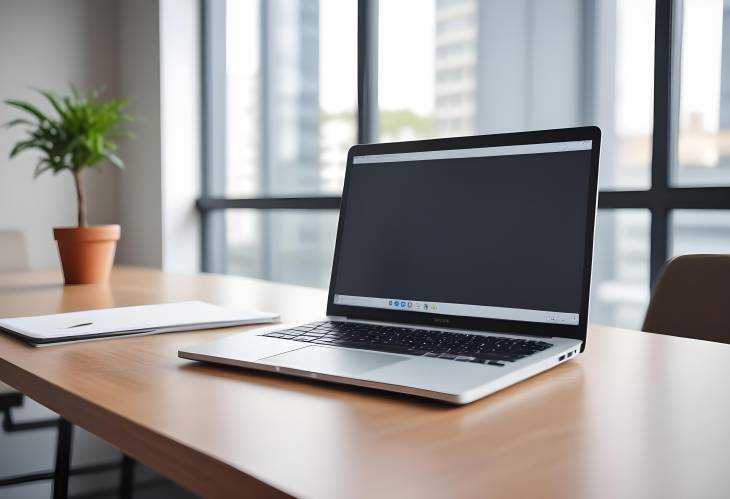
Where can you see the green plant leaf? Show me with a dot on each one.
(22, 146)
(54, 102)
(41, 167)
(30, 108)
(113, 159)
(82, 132)
(17, 121)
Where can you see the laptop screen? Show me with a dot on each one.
(482, 232)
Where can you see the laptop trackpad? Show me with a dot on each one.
(335, 361)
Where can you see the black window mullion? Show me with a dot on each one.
(662, 137)
(213, 119)
(271, 203)
(367, 71)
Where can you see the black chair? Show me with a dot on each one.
(691, 299)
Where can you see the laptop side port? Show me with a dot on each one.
(561, 358)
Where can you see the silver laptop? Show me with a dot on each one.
(462, 266)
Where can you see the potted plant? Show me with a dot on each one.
(81, 135)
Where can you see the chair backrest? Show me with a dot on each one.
(13, 255)
(692, 299)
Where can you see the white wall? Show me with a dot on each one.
(48, 44)
(147, 51)
(140, 188)
(180, 79)
(159, 71)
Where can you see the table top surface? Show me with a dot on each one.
(637, 415)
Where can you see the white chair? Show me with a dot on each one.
(14, 258)
(12, 248)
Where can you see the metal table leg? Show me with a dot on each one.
(63, 460)
(127, 480)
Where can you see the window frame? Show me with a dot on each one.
(660, 199)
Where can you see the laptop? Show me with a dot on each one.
(462, 266)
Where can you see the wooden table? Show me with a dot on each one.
(639, 415)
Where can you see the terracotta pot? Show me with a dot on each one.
(87, 253)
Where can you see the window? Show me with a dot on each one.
(302, 80)
(531, 71)
(623, 91)
(700, 231)
(289, 121)
(620, 281)
(477, 67)
(242, 104)
(406, 99)
(294, 246)
(288, 112)
(703, 156)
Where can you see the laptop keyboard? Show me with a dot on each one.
(460, 347)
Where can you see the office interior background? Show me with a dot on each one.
(242, 101)
(246, 110)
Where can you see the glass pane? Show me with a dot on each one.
(620, 287)
(700, 231)
(293, 246)
(460, 67)
(242, 102)
(406, 69)
(703, 156)
(305, 101)
(338, 90)
(467, 66)
(243, 243)
(624, 91)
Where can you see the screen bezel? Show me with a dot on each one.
(461, 322)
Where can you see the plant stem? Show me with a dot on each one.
(80, 197)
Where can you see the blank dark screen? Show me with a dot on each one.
(505, 231)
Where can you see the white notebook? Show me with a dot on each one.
(41, 330)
